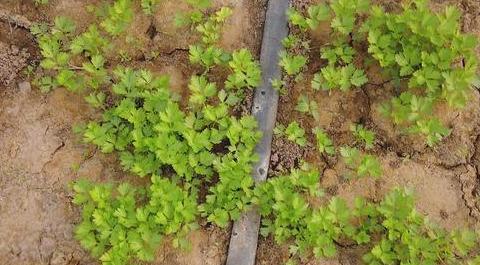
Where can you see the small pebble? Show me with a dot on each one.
(25, 87)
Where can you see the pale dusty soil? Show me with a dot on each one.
(40, 155)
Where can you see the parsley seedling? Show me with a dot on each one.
(363, 135)
(293, 132)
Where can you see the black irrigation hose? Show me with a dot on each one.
(244, 238)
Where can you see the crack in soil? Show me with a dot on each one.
(468, 184)
(52, 155)
(174, 51)
(369, 103)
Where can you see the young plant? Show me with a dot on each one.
(361, 164)
(63, 26)
(279, 85)
(290, 41)
(54, 58)
(346, 12)
(194, 16)
(96, 99)
(416, 113)
(201, 90)
(305, 105)
(338, 53)
(324, 143)
(39, 29)
(59, 49)
(408, 237)
(316, 14)
(246, 71)
(41, 2)
(210, 28)
(424, 48)
(207, 57)
(433, 130)
(116, 229)
(283, 204)
(343, 78)
(293, 132)
(148, 6)
(119, 16)
(279, 130)
(96, 74)
(363, 135)
(45, 84)
(91, 42)
(292, 64)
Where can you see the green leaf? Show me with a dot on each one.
(290, 41)
(120, 14)
(90, 42)
(69, 80)
(324, 143)
(246, 71)
(297, 19)
(201, 90)
(148, 6)
(369, 166)
(63, 25)
(364, 135)
(200, 4)
(317, 13)
(303, 104)
(296, 134)
(292, 64)
(96, 99)
(343, 78)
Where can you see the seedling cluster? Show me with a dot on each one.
(423, 53)
(202, 145)
(393, 231)
(180, 150)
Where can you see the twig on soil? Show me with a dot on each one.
(74, 67)
(17, 20)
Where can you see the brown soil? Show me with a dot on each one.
(444, 179)
(12, 61)
(40, 155)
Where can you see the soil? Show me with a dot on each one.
(40, 155)
(12, 61)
